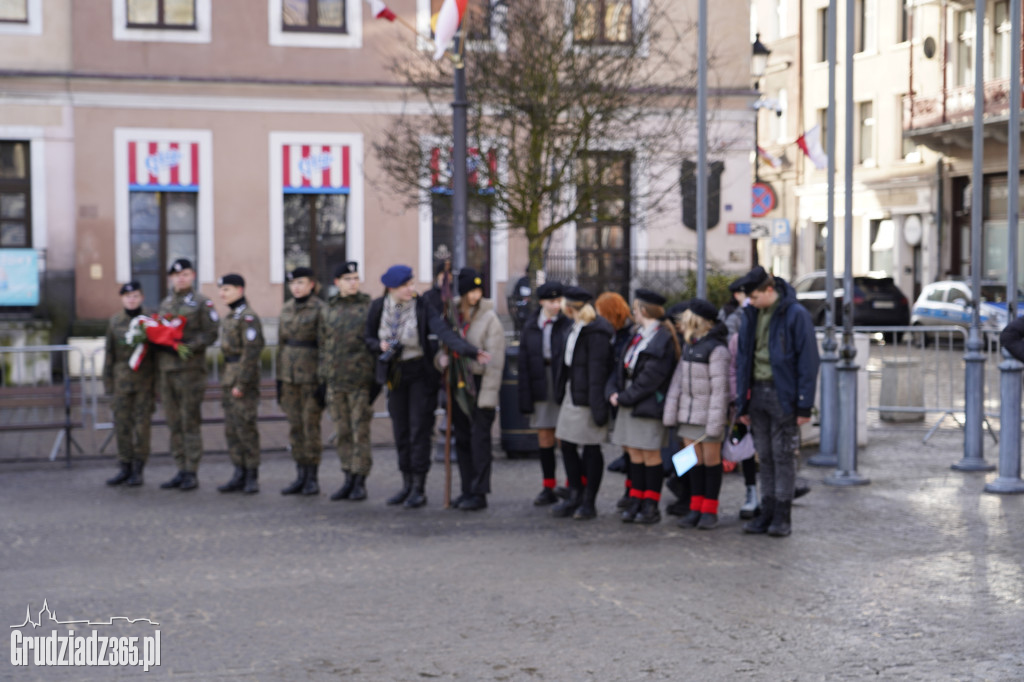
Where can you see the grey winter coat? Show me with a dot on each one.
(699, 392)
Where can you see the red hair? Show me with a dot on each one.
(612, 307)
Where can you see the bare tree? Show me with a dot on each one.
(554, 83)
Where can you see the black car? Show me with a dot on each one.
(877, 301)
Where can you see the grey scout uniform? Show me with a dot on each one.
(182, 382)
(132, 391)
(347, 367)
(297, 359)
(241, 340)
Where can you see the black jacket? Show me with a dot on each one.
(430, 325)
(532, 381)
(589, 370)
(1012, 338)
(652, 376)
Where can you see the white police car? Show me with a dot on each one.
(948, 303)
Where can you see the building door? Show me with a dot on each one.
(602, 236)
(314, 235)
(163, 229)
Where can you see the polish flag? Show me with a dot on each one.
(768, 157)
(380, 10)
(448, 20)
(810, 142)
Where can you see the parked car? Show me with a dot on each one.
(949, 303)
(877, 301)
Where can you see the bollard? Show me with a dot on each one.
(974, 393)
(1009, 481)
(846, 471)
(826, 455)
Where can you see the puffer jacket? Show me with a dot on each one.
(588, 373)
(486, 333)
(532, 384)
(699, 392)
(651, 376)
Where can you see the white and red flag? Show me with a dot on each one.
(810, 142)
(380, 10)
(448, 20)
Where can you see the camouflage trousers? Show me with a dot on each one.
(298, 401)
(240, 431)
(133, 412)
(351, 411)
(182, 396)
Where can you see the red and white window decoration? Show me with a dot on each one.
(316, 169)
(476, 172)
(168, 166)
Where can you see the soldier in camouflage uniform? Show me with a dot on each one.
(183, 380)
(131, 388)
(241, 340)
(347, 367)
(300, 392)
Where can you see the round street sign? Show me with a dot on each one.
(763, 199)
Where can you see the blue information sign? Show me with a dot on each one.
(19, 277)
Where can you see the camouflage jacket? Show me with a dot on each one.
(297, 350)
(241, 340)
(200, 330)
(345, 361)
(117, 374)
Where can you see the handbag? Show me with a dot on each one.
(739, 444)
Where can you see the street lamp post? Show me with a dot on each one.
(758, 66)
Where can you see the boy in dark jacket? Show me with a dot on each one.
(776, 376)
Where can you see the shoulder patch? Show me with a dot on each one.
(213, 315)
(249, 318)
(250, 334)
(209, 303)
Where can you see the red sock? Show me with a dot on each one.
(709, 506)
(696, 503)
(549, 483)
(653, 495)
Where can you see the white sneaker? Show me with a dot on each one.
(750, 507)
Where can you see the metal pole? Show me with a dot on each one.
(826, 456)
(1010, 368)
(459, 190)
(846, 469)
(974, 379)
(702, 147)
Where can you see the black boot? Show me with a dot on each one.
(252, 482)
(473, 503)
(174, 482)
(545, 497)
(358, 488)
(568, 506)
(189, 481)
(123, 474)
(629, 514)
(649, 512)
(401, 495)
(236, 483)
(311, 486)
(759, 524)
(417, 497)
(346, 488)
(780, 526)
(136, 478)
(299, 482)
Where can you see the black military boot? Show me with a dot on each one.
(345, 490)
(311, 486)
(123, 474)
(649, 513)
(545, 497)
(189, 481)
(759, 524)
(568, 506)
(236, 483)
(299, 482)
(136, 477)
(418, 496)
(174, 482)
(358, 488)
(401, 495)
(780, 526)
(252, 481)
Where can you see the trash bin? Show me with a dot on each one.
(517, 438)
(902, 387)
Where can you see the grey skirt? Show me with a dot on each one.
(638, 432)
(576, 423)
(690, 431)
(545, 413)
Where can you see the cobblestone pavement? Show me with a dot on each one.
(917, 576)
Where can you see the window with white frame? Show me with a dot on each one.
(21, 17)
(325, 16)
(172, 14)
(866, 133)
(603, 22)
(15, 11)
(173, 21)
(15, 195)
(866, 26)
(315, 23)
(909, 21)
(1001, 39)
(964, 47)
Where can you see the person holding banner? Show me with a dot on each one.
(583, 416)
(131, 383)
(637, 387)
(698, 404)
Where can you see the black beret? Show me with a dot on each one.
(347, 268)
(737, 284)
(232, 279)
(705, 309)
(678, 308)
(755, 278)
(577, 294)
(129, 287)
(469, 279)
(301, 271)
(179, 265)
(549, 290)
(648, 296)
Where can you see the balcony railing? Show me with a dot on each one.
(954, 105)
